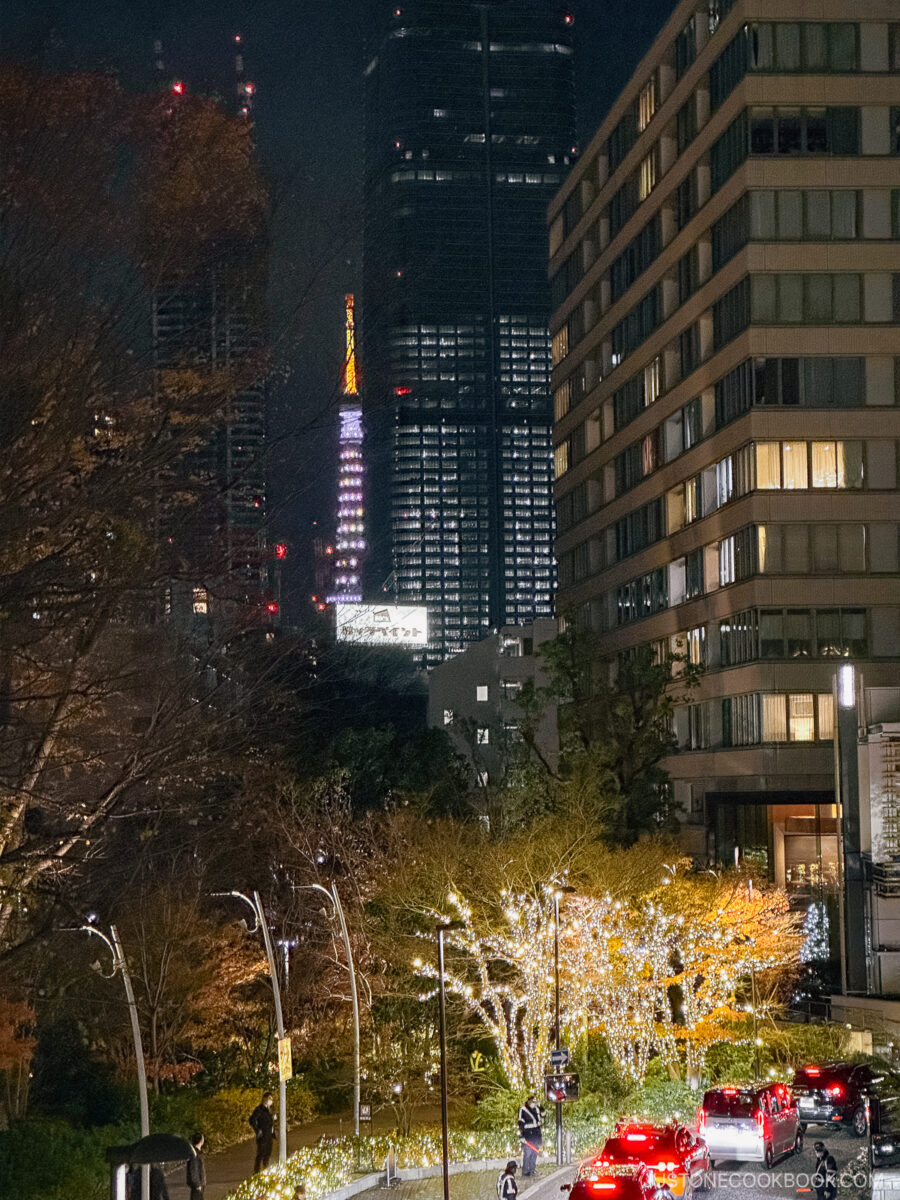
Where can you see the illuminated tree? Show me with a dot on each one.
(670, 973)
(617, 959)
(503, 975)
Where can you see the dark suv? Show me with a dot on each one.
(833, 1093)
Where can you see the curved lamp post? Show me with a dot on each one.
(260, 917)
(338, 911)
(120, 967)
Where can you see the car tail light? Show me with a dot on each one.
(602, 1185)
(812, 1071)
(835, 1090)
(760, 1118)
(670, 1166)
(701, 1120)
(730, 1091)
(635, 1137)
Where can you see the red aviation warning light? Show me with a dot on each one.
(272, 608)
(280, 550)
(178, 87)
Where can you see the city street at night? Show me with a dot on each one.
(449, 599)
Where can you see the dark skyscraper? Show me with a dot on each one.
(469, 132)
(209, 318)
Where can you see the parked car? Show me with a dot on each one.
(833, 1093)
(755, 1124)
(677, 1157)
(882, 1101)
(612, 1181)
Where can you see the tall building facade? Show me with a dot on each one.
(211, 319)
(726, 276)
(469, 131)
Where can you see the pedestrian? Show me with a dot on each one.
(507, 1188)
(133, 1182)
(663, 1191)
(531, 1117)
(158, 1189)
(831, 1180)
(818, 1176)
(196, 1167)
(263, 1125)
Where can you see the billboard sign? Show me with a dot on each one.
(382, 624)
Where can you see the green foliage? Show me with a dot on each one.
(615, 728)
(46, 1159)
(598, 1072)
(660, 1100)
(70, 1082)
(498, 1108)
(730, 1062)
(792, 1045)
(223, 1116)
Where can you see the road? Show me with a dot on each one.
(789, 1178)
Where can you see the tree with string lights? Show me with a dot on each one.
(725, 933)
(503, 975)
(668, 975)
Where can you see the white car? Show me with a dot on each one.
(750, 1124)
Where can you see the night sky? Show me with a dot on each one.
(306, 58)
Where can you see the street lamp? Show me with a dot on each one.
(559, 891)
(339, 913)
(442, 1036)
(120, 967)
(260, 917)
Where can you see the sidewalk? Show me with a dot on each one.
(228, 1168)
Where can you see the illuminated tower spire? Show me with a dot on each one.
(350, 383)
(350, 543)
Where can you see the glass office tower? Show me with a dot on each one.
(469, 131)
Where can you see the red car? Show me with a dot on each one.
(598, 1181)
(676, 1156)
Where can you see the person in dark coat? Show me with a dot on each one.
(263, 1125)
(507, 1188)
(196, 1167)
(831, 1178)
(818, 1175)
(531, 1117)
(158, 1189)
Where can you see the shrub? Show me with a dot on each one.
(44, 1158)
(224, 1116)
(48, 1159)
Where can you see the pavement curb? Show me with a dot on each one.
(366, 1182)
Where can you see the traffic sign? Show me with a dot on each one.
(365, 1112)
(285, 1064)
(560, 1057)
